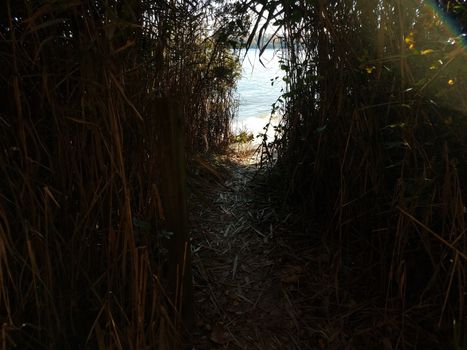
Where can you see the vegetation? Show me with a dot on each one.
(243, 137)
(267, 40)
(91, 96)
(103, 101)
(372, 145)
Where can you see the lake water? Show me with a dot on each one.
(256, 93)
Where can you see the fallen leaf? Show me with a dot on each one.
(290, 279)
(219, 335)
(291, 274)
(387, 344)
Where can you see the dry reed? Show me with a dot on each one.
(371, 146)
(82, 239)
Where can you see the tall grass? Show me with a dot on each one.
(372, 145)
(86, 92)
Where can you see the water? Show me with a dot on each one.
(256, 94)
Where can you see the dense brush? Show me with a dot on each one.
(371, 145)
(82, 255)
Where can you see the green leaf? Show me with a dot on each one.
(395, 144)
(321, 129)
(166, 234)
(142, 225)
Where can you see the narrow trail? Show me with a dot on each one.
(249, 284)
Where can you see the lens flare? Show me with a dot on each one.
(451, 25)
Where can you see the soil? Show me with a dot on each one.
(252, 291)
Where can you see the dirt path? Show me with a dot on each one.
(248, 291)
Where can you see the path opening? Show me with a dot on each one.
(259, 88)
